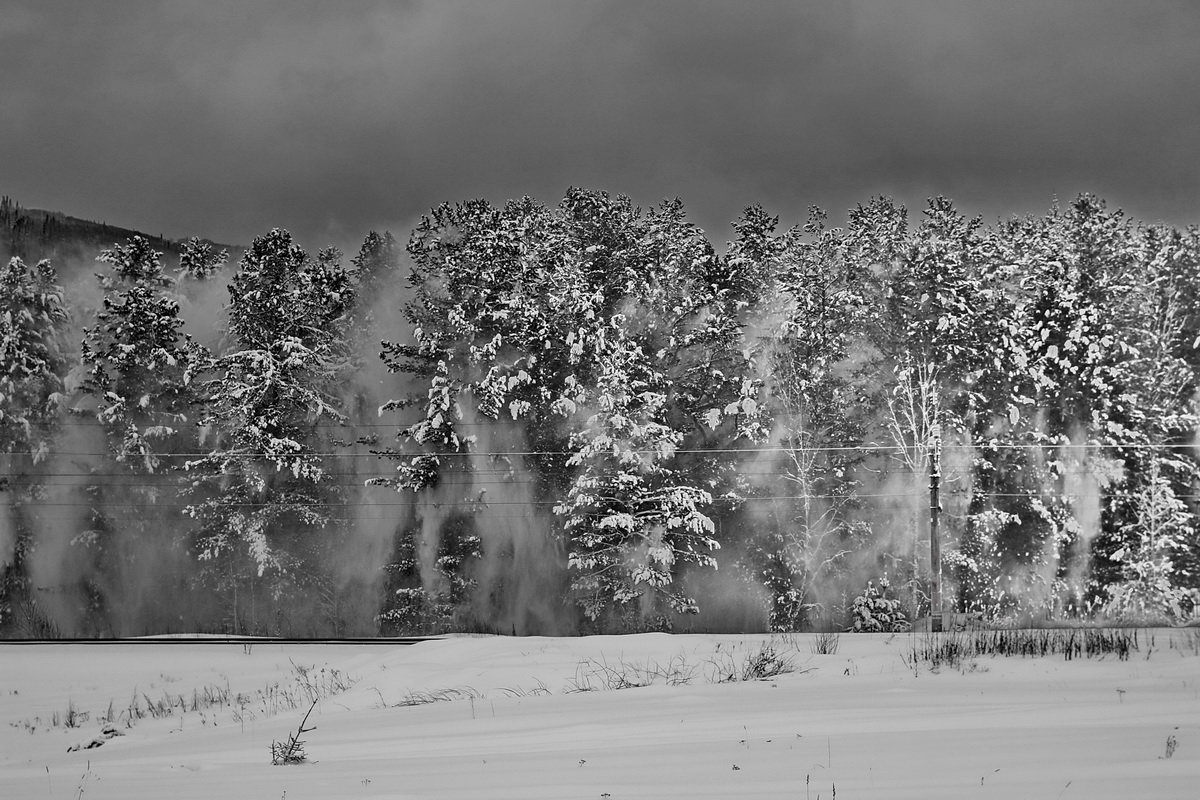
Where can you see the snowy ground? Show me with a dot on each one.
(512, 722)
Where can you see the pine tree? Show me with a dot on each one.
(33, 362)
(138, 367)
(32, 356)
(199, 260)
(375, 264)
(135, 386)
(265, 485)
(1150, 584)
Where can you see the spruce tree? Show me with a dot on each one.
(264, 494)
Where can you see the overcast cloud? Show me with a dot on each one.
(226, 118)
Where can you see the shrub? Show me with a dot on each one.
(292, 750)
(874, 612)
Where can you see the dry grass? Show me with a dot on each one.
(307, 685)
(951, 649)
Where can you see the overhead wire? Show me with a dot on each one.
(483, 477)
(870, 448)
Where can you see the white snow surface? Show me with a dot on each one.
(860, 723)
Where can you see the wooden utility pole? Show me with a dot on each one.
(935, 555)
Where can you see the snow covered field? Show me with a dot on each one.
(499, 717)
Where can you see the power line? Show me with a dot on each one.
(483, 504)
(177, 474)
(870, 448)
(482, 421)
(477, 482)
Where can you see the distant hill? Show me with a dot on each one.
(72, 244)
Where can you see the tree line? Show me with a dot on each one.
(582, 417)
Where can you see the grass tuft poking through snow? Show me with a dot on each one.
(439, 696)
(825, 644)
(770, 660)
(593, 674)
(953, 649)
(306, 685)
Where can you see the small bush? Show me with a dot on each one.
(875, 612)
(292, 750)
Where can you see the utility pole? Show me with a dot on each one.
(935, 555)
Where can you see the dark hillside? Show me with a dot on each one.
(33, 234)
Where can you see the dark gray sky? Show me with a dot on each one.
(224, 118)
